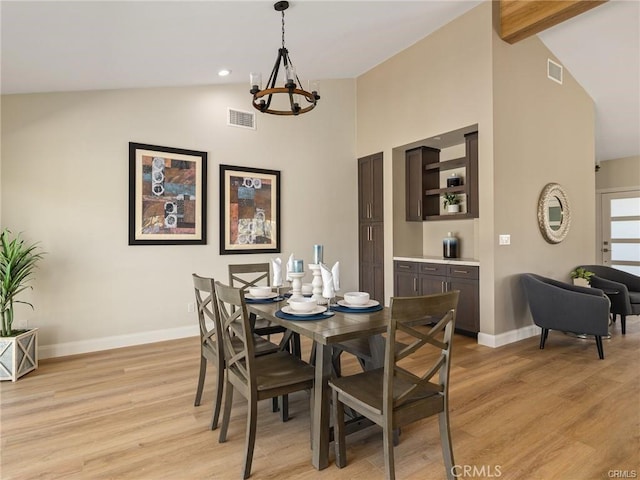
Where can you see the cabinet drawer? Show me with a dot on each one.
(462, 271)
(433, 268)
(406, 267)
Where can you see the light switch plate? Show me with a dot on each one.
(504, 240)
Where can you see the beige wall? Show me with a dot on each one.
(543, 133)
(531, 132)
(440, 84)
(619, 173)
(63, 176)
(65, 182)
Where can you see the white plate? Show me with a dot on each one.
(369, 304)
(271, 295)
(290, 311)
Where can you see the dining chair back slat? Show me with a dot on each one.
(256, 378)
(403, 391)
(247, 275)
(235, 327)
(210, 351)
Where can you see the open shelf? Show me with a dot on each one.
(424, 187)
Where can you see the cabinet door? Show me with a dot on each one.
(370, 188)
(372, 281)
(432, 284)
(405, 284)
(413, 186)
(405, 278)
(433, 278)
(419, 178)
(372, 260)
(467, 315)
(372, 243)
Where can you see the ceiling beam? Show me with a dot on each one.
(520, 19)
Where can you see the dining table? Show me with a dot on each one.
(329, 331)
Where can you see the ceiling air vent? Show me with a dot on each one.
(554, 71)
(238, 118)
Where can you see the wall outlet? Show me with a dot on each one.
(191, 307)
(504, 240)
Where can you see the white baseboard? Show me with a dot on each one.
(107, 343)
(505, 338)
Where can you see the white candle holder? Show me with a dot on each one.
(316, 284)
(296, 284)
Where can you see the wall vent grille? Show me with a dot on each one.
(238, 118)
(554, 71)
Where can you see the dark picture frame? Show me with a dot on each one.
(249, 210)
(167, 195)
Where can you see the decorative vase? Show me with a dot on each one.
(453, 208)
(450, 246)
(581, 282)
(18, 355)
(454, 181)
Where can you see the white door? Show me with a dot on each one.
(621, 231)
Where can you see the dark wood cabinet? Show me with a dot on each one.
(405, 279)
(370, 185)
(371, 226)
(418, 180)
(419, 278)
(433, 278)
(423, 188)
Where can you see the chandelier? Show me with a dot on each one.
(291, 93)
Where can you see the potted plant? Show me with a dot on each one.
(581, 277)
(451, 202)
(18, 348)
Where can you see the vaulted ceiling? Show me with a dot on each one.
(50, 46)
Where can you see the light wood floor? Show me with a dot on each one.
(517, 413)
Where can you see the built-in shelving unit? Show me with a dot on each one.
(423, 203)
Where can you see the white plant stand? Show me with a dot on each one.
(18, 355)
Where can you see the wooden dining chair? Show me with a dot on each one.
(399, 394)
(248, 275)
(210, 346)
(244, 276)
(256, 378)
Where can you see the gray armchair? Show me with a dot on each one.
(561, 306)
(627, 299)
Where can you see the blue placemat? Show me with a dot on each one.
(264, 300)
(340, 308)
(298, 318)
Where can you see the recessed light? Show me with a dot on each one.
(224, 72)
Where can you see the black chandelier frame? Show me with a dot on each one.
(262, 98)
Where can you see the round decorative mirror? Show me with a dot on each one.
(554, 214)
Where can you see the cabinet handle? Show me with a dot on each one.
(420, 208)
(369, 210)
(371, 234)
(415, 284)
(443, 287)
(404, 266)
(431, 269)
(461, 271)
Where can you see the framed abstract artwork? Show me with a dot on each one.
(249, 210)
(167, 195)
